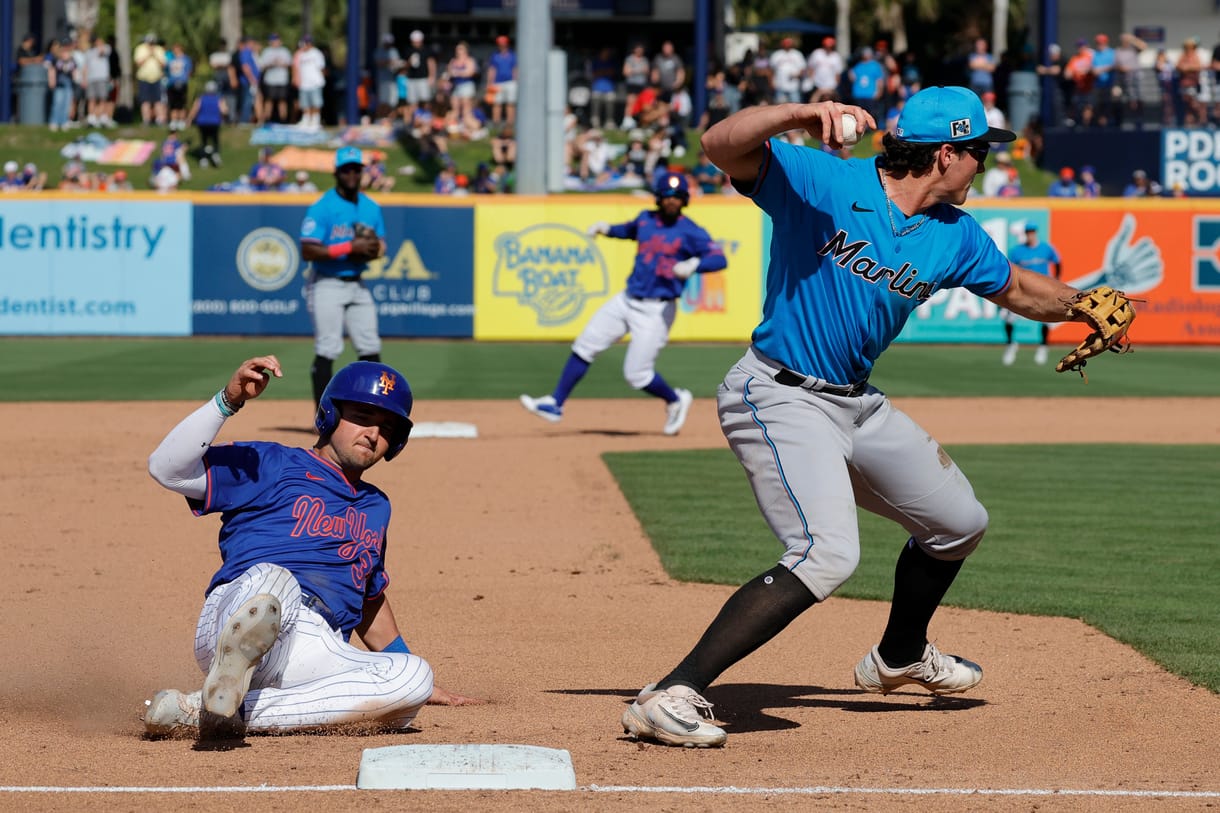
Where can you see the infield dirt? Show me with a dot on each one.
(520, 572)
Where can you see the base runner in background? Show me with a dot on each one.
(1044, 259)
(302, 544)
(672, 247)
(341, 232)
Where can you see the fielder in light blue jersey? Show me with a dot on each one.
(302, 547)
(1041, 258)
(857, 245)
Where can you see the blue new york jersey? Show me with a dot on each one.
(840, 283)
(1037, 259)
(662, 245)
(331, 220)
(293, 508)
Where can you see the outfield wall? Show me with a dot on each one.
(521, 268)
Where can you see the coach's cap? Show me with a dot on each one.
(348, 155)
(947, 114)
(11, 166)
(1029, 226)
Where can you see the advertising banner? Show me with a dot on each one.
(250, 279)
(538, 275)
(87, 267)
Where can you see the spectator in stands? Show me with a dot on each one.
(980, 68)
(502, 79)
(484, 181)
(179, 68)
(1190, 79)
(27, 51)
(603, 71)
(758, 78)
(1079, 70)
(1130, 106)
(717, 107)
(1167, 81)
(825, 67)
(446, 181)
(375, 177)
(1065, 185)
(275, 65)
(635, 168)
(1055, 66)
(594, 158)
(208, 112)
(1011, 187)
(12, 180)
(787, 66)
(418, 72)
(34, 179)
(74, 178)
(149, 61)
(1141, 186)
(668, 71)
(265, 173)
(636, 72)
(386, 61)
(249, 81)
(891, 81)
(309, 78)
(1089, 186)
(97, 83)
(1104, 81)
(119, 182)
(867, 79)
(995, 116)
(463, 74)
(61, 67)
(910, 79)
(996, 176)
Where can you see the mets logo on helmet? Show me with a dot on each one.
(386, 384)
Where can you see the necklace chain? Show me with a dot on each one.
(889, 210)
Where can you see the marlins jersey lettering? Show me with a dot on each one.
(331, 220)
(842, 280)
(1037, 259)
(293, 508)
(660, 246)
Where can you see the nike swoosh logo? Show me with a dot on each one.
(856, 207)
(309, 475)
(691, 728)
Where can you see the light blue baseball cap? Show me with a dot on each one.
(348, 155)
(947, 114)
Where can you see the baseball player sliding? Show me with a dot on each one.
(672, 247)
(856, 245)
(302, 545)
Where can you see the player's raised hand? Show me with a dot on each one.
(600, 227)
(824, 121)
(251, 378)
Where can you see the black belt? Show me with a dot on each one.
(791, 379)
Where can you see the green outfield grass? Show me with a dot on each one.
(114, 369)
(1134, 555)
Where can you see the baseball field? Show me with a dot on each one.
(555, 569)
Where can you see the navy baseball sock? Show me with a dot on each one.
(920, 582)
(573, 371)
(371, 357)
(755, 614)
(660, 388)
(320, 373)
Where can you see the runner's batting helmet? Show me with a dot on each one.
(373, 383)
(672, 184)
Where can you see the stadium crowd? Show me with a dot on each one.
(434, 96)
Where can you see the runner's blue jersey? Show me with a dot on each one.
(1037, 259)
(840, 285)
(293, 508)
(662, 245)
(332, 219)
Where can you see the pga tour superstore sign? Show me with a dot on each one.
(76, 267)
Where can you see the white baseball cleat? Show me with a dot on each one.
(675, 413)
(544, 407)
(171, 712)
(1010, 355)
(1040, 354)
(938, 673)
(248, 635)
(674, 716)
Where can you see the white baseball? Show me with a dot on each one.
(850, 136)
